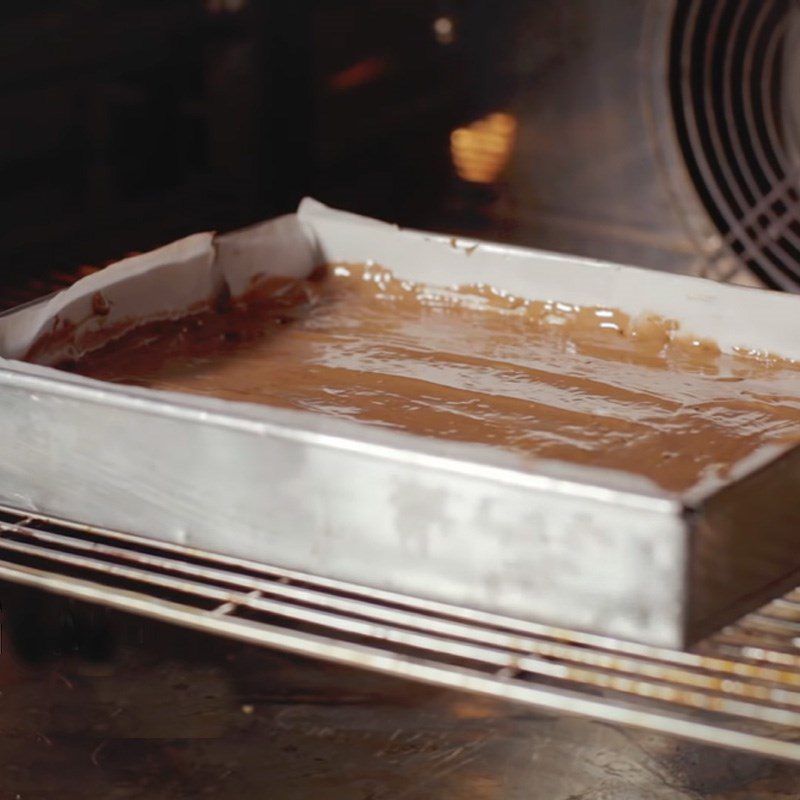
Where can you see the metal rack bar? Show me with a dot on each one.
(740, 689)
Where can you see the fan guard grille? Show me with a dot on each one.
(727, 77)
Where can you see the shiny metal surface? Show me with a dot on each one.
(739, 689)
(363, 505)
(597, 170)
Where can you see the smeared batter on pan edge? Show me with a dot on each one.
(551, 380)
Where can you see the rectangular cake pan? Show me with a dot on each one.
(562, 544)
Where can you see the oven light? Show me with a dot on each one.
(444, 30)
(481, 150)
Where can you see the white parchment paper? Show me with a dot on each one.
(166, 282)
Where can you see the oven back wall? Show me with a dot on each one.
(132, 123)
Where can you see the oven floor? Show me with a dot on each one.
(167, 713)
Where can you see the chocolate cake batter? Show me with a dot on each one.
(550, 380)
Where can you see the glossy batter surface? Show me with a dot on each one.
(584, 385)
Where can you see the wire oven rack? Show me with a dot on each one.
(738, 689)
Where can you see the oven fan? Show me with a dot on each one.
(732, 66)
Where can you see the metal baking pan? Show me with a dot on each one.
(470, 525)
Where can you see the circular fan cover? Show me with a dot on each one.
(734, 73)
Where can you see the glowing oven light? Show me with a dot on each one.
(444, 30)
(480, 151)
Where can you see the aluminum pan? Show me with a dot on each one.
(422, 521)
(575, 546)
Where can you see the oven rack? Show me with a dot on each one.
(738, 689)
